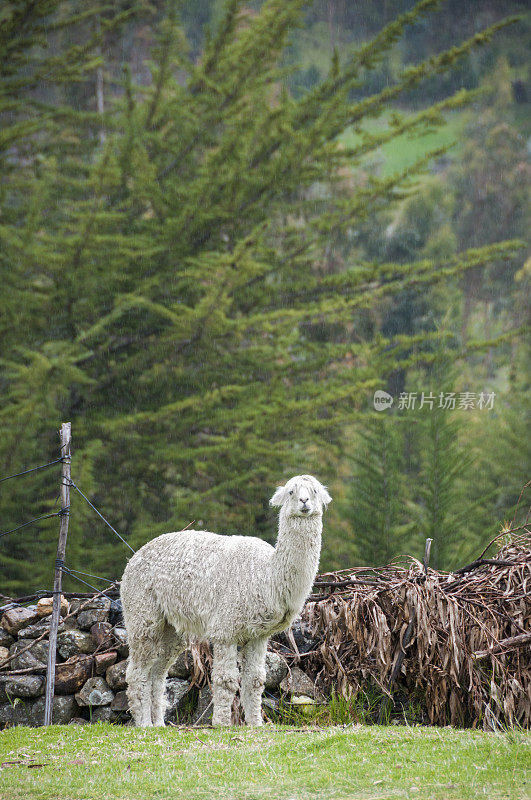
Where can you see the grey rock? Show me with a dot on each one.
(3, 696)
(276, 670)
(72, 674)
(300, 634)
(103, 714)
(35, 658)
(176, 693)
(45, 606)
(298, 683)
(182, 667)
(86, 619)
(17, 713)
(16, 618)
(120, 635)
(36, 629)
(78, 721)
(115, 676)
(102, 661)
(86, 604)
(63, 710)
(303, 638)
(72, 642)
(24, 685)
(95, 692)
(303, 701)
(67, 624)
(6, 640)
(116, 613)
(101, 633)
(203, 713)
(4, 654)
(75, 604)
(102, 603)
(7, 715)
(120, 702)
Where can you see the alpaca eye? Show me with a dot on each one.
(291, 492)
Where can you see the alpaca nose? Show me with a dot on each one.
(304, 502)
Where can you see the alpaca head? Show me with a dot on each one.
(302, 496)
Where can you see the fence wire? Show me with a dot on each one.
(33, 469)
(63, 510)
(36, 519)
(73, 485)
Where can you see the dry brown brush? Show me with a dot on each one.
(460, 641)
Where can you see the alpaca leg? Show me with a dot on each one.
(225, 675)
(139, 683)
(253, 680)
(170, 646)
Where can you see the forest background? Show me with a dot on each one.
(224, 226)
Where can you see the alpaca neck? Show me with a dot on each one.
(296, 557)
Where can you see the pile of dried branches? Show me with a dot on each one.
(461, 641)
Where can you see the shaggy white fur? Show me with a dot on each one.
(235, 591)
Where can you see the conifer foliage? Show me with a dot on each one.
(169, 286)
(374, 505)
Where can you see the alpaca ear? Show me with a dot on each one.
(321, 492)
(279, 497)
(323, 496)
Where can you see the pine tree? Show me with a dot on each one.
(46, 150)
(191, 326)
(440, 508)
(375, 501)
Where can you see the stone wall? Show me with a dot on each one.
(90, 673)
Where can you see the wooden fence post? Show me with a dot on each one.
(427, 551)
(59, 563)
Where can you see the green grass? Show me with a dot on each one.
(401, 152)
(111, 762)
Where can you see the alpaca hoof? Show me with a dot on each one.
(221, 723)
(254, 723)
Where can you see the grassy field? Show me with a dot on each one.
(376, 763)
(401, 152)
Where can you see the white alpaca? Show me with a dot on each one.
(235, 591)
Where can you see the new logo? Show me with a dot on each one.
(382, 400)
